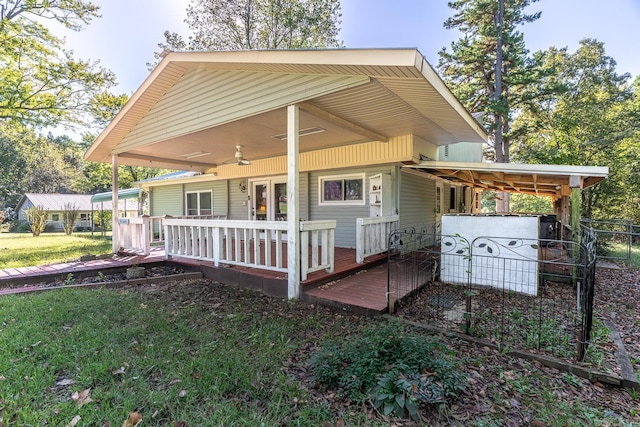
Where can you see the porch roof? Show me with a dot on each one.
(195, 107)
(541, 180)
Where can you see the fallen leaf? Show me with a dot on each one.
(81, 398)
(174, 381)
(74, 421)
(2, 378)
(179, 424)
(65, 382)
(182, 393)
(119, 371)
(134, 419)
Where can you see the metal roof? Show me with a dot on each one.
(541, 180)
(195, 107)
(56, 202)
(129, 193)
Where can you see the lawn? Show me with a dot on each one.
(200, 353)
(23, 249)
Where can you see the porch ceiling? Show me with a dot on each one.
(541, 180)
(195, 107)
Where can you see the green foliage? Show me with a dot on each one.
(258, 24)
(37, 217)
(593, 121)
(70, 214)
(385, 361)
(527, 203)
(102, 219)
(41, 84)
(469, 67)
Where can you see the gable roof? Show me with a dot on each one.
(56, 202)
(195, 107)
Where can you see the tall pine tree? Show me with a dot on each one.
(489, 68)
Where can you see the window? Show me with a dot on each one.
(199, 203)
(452, 199)
(55, 217)
(85, 217)
(341, 190)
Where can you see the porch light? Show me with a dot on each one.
(301, 132)
(195, 154)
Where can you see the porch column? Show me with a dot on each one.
(293, 203)
(115, 241)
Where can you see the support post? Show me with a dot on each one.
(293, 203)
(115, 238)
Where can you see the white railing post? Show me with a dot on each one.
(371, 235)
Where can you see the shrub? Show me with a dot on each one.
(37, 216)
(19, 227)
(399, 371)
(69, 217)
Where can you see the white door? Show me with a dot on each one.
(260, 206)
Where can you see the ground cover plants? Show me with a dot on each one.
(198, 353)
(23, 250)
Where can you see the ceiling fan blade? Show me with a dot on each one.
(243, 162)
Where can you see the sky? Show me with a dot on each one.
(128, 33)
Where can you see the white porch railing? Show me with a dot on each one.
(134, 233)
(257, 244)
(372, 234)
(321, 247)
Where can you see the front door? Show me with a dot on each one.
(260, 206)
(269, 199)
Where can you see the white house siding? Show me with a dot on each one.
(345, 215)
(21, 213)
(417, 201)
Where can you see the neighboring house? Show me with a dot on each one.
(348, 140)
(54, 204)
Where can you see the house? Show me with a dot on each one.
(55, 204)
(300, 152)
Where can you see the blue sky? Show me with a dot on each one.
(126, 36)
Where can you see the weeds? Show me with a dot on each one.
(398, 371)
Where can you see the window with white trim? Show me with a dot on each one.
(341, 190)
(199, 203)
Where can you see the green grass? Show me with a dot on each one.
(619, 251)
(23, 250)
(223, 366)
(209, 355)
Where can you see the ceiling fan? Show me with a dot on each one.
(239, 158)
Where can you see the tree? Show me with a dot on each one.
(258, 24)
(40, 82)
(594, 121)
(69, 216)
(489, 69)
(37, 217)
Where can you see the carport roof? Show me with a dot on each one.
(541, 180)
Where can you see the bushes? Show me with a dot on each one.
(69, 217)
(399, 372)
(37, 216)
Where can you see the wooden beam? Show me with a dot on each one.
(340, 122)
(151, 159)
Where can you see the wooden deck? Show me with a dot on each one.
(357, 288)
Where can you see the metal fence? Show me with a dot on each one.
(617, 238)
(518, 293)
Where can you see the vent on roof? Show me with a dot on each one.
(301, 132)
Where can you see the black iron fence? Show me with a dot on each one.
(518, 293)
(617, 238)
